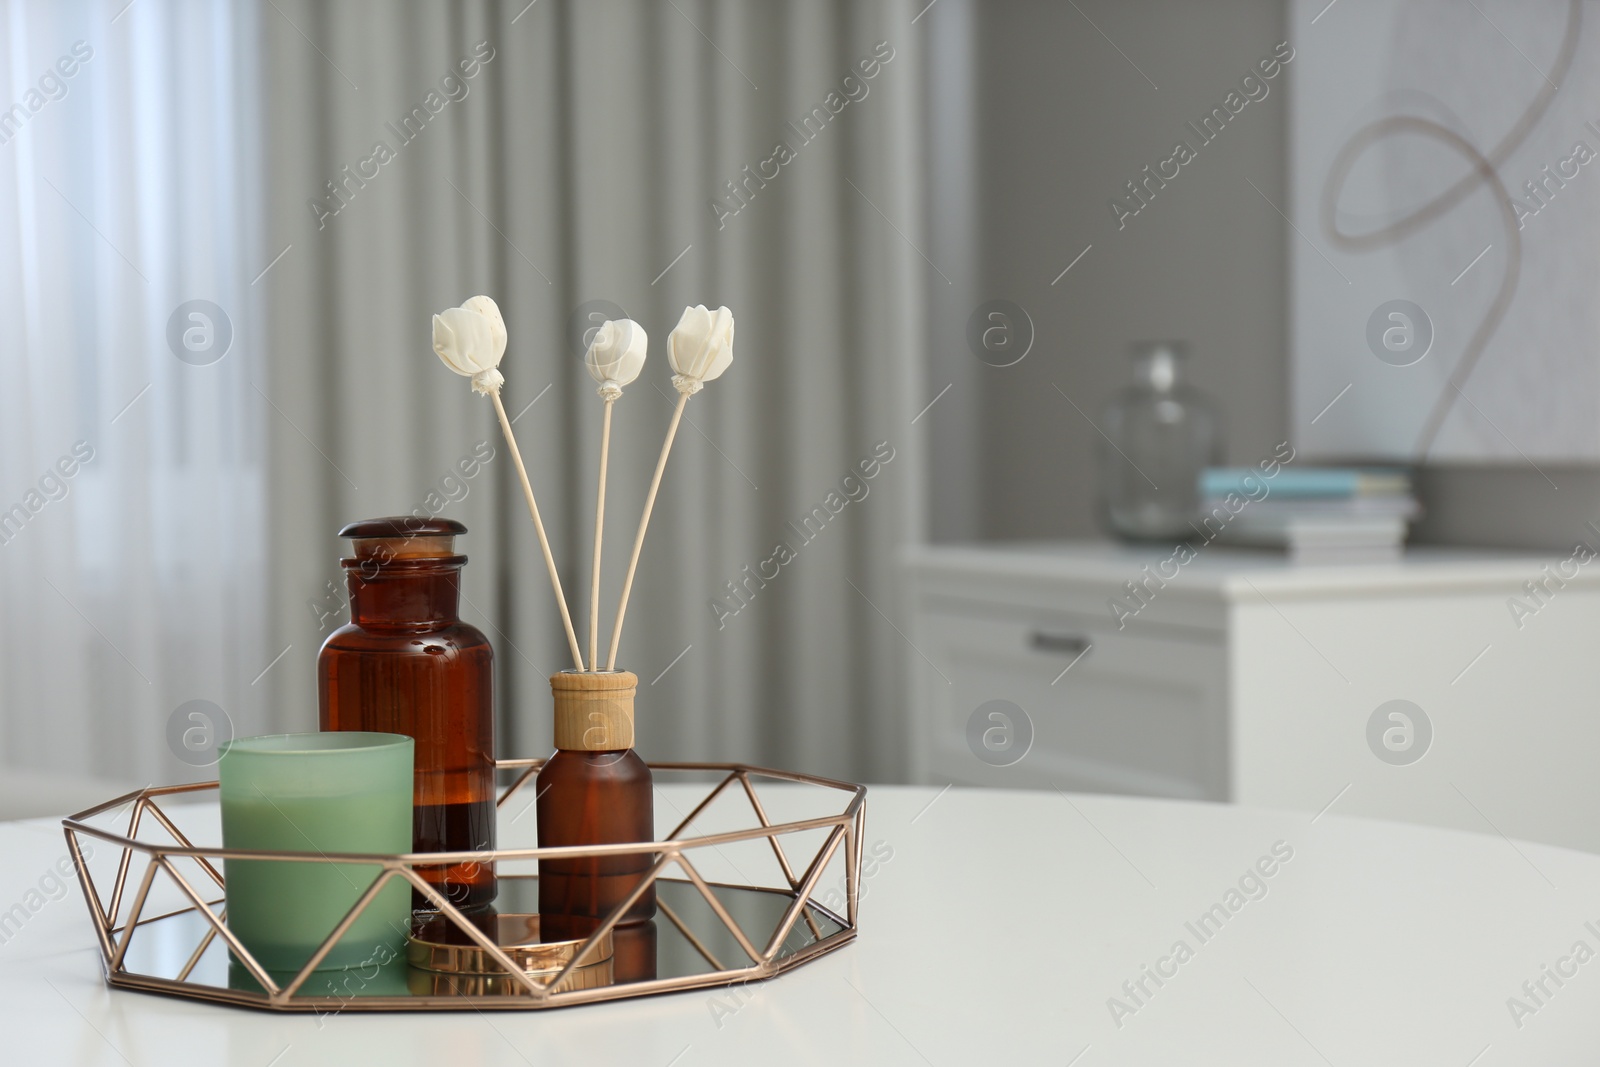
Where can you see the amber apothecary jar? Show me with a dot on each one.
(407, 664)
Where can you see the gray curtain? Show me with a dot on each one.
(578, 164)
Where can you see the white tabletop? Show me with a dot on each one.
(1372, 943)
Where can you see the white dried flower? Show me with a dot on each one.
(616, 355)
(700, 347)
(471, 339)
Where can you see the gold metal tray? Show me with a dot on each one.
(708, 932)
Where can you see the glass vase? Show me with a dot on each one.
(1160, 433)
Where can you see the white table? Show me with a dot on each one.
(1376, 943)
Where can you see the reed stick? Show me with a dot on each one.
(644, 522)
(599, 525)
(538, 526)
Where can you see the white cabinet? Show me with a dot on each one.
(1238, 676)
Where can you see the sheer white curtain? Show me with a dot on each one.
(619, 152)
(579, 163)
(131, 464)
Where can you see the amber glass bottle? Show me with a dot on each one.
(407, 664)
(633, 956)
(595, 790)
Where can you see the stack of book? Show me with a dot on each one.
(1317, 514)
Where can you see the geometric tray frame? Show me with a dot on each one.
(846, 830)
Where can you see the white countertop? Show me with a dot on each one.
(996, 933)
(1245, 573)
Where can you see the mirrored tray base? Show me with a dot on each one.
(706, 932)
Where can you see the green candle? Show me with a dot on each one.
(347, 791)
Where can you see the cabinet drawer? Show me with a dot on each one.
(1111, 711)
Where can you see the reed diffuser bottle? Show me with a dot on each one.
(595, 790)
(407, 664)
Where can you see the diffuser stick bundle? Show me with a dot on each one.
(471, 340)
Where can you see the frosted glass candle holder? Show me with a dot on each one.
(345, 791)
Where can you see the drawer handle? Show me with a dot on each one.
(1065, 644)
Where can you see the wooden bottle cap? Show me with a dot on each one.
(594, 710)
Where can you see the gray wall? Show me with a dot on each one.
(1062, 120)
